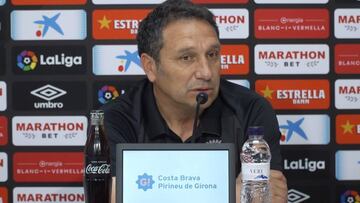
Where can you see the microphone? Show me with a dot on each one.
(201, 98)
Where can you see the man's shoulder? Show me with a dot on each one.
(237, 94)
(245, 102)
(129, 103)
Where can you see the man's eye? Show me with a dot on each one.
(213, 54)
(186, 58)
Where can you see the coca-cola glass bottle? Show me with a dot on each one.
(97, 177)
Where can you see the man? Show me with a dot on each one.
(179, 47)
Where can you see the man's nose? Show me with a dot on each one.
(203, 70)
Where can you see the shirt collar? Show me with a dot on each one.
(154, 123)
(210, 119)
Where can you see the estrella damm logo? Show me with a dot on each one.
(117, 23)
(3, 195)
(295, 94)
(3, 131)
(27, 60)
(234, 59)
(348, 129)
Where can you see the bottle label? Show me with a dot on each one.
(255, 171)
(97, 167)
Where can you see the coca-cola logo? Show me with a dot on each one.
(97, 169)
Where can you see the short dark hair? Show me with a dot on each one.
(149, 37)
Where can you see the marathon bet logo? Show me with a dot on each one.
(3, 167)
(48, 93)
(347, 23)
(347, 95)
(232, 23)
(292, 59)
(295, 196)
(304, 164)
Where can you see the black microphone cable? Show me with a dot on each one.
(201, 98)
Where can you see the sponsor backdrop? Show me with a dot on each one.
(59, 59)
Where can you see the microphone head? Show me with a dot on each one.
(202, 98)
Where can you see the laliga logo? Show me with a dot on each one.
(350, 196)
(27, 60)
(305, 164)
(108, 93)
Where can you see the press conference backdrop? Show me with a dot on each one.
(61, 58)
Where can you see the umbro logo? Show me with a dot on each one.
(295, 196)
(48, 92)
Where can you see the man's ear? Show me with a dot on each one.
(149, 66)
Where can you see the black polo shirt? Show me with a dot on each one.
(135, 118)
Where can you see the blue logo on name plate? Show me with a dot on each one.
(145, 182)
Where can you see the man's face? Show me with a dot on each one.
(189, 63)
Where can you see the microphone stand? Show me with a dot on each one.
(201, 98)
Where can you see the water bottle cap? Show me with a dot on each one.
(255, 130)
(97, 115)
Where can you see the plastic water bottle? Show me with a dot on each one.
(255, 167)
